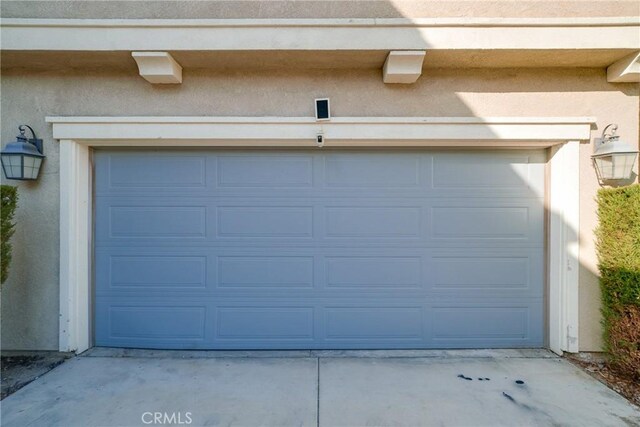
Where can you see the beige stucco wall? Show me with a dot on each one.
(199, 9)
(30, 297)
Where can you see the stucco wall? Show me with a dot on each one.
(30, 297)
(199, 9)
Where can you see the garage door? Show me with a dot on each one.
(319, 249)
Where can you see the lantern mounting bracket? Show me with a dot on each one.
(607, 137)
(34, 141)
(614, 129)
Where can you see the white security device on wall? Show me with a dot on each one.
(322, 109)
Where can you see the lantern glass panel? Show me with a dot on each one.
(616, 166)
(605, 167)
(12, 164)
(623, 165)
(31, 167)
(36, 167)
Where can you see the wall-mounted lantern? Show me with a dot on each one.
(613, 158)
(22, 159)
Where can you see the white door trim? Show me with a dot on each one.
(78, 134)
(75, 246)
(564, 247)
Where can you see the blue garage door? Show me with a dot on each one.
(319, 249)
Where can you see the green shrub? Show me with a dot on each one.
(8, 202)
(618, 244)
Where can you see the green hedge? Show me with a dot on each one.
(8, 202)
(618, 243)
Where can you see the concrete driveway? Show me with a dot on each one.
(405, 388)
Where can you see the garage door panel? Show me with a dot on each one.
(373, 272)
(274, 322)
(152, 324)
(273, 171)
(333, 271)
(158, 271)
(492, 221)
(372, 222)
(487, 275)
(519, 171)
(318, 323)
(143, 171)
(459, 325)
(265, 272)
(513, 173)
(429, 223)
(487, 174)
(153, 172)
(157, 221)
(274, 222)
(373, 170)
(319, 249)
(475, 222)
(380, 323)
(456, 272)
(144, 221)
(152, 271)
(478, 323)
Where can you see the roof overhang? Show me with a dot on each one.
(495, 42)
